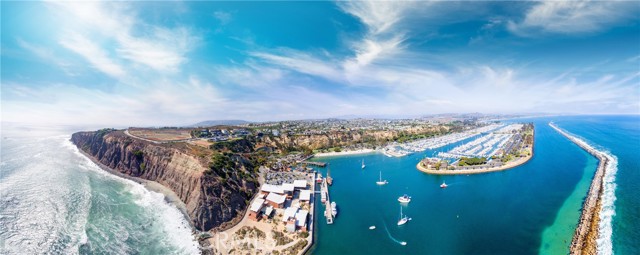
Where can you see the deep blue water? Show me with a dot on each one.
(494, 213)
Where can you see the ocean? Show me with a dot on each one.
(530, 209)
(53, 200)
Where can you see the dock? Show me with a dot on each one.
(320, 164)
(324, 190)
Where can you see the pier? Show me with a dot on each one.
(320, 164)
(324, 190)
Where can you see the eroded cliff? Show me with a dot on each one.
(212, 200)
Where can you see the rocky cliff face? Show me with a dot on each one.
(211, 200)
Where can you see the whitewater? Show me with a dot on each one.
(54, 200)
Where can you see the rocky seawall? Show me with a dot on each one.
(585, 238)
(211, 201)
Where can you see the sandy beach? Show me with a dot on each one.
(343, 153)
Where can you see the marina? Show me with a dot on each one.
(486, 209)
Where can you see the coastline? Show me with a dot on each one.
(169, 196)
(585, 238)
(344, 153)
(509, 165)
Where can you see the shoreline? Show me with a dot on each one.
(584, 240)
(509, 165)
(169, 196)
(344, 153)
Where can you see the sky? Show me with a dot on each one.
(178, 63)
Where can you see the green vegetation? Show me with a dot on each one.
(437, 166)
(247, 231)
(138, 154)
(337, 149)
(303, 234)
(295, 248)
(280, 238)
(143, 166)
(464, 161)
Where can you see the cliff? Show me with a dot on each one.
(212, 201)
(349, 137)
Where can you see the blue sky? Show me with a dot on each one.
(173, 63)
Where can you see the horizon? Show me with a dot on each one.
(167, 64)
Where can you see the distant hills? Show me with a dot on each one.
(220, 123)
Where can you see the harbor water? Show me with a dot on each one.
(531, 209)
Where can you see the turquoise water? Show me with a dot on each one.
(531, 209)
(53, 200)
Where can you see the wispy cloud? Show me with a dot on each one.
(94, 54)
(572, 17)
(135, 41)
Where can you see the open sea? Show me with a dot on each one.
(530, 209)
(53, 200)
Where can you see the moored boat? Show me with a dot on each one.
(404, 199)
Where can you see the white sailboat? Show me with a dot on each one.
(363, 166)
(403, 218)
(380, 181)
(404, 199)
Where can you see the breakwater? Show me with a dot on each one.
(585, 239)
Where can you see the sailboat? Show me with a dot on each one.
(403, 218)
(363, 166)
(380, 181)
(443, 185)
(404, 199)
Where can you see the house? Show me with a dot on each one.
(270, 188)
(276, 200)
(288, 189)
(301, 219)
(300, 184)
(305, 195)
(267, 211)
(255, 208)
(289, 213)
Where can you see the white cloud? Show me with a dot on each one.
(572, 17)
(117, 26)
(94, 54)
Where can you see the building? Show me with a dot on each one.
(270, 188)
(305, 195)
(255, 208)
(301, 220)
(289, 213)
(288, 189)
(300, 184)
(275, 200)
(267, 211)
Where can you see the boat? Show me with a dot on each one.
(403, 218)
(372, 227)
(403, 243)
(363, 166)
(404, 199)
(323, 196)
(334, 209)
(329, 179)
(319, 179)
(443, 185)
(380, 181)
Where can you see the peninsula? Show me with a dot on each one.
(502, 149)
